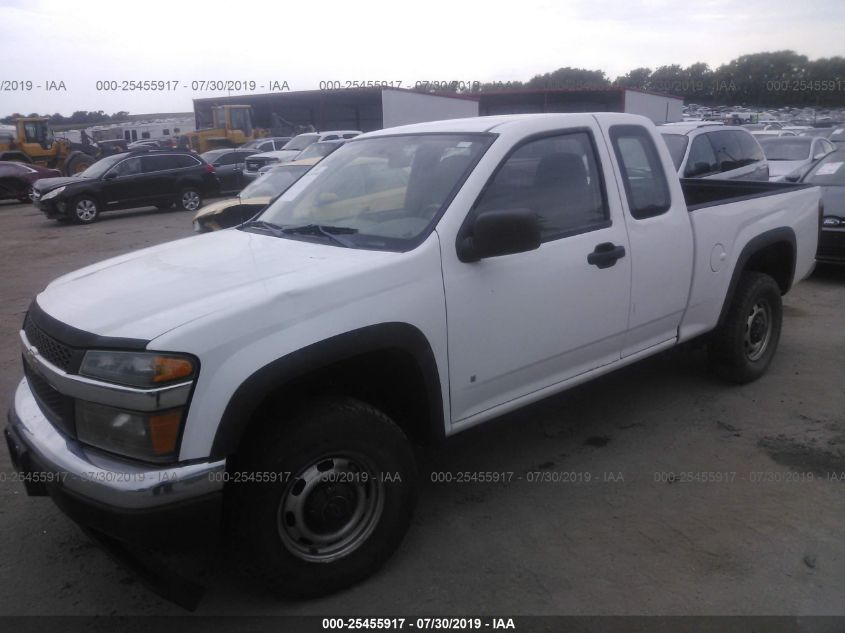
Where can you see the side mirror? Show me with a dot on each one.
(496, 233)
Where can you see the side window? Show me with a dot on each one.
(702, 158)
(129, 167)
(145, 135)
(183, 160)
(350, 135)
(159, 163)
(558, 178)
(645, 183)
(751, 150)
(330, 137)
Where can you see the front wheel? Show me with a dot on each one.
(85, 210)
(190, 200)
(333, 492)
(742, 348)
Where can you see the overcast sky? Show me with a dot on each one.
(306, 42)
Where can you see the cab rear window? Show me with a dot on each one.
(645, 183)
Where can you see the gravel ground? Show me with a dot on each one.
(766, 540)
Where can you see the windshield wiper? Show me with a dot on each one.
(273, 229)
(330, 232)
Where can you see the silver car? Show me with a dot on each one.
(790, 157)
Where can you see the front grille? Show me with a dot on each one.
(57, 407)
(831, 245)
(59, 354)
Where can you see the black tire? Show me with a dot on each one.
(281, 523)
(742, 348)
(77, 163)
(84, 210)
(190, 199)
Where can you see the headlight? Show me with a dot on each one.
(148, 436)
(137, 369)
(53, 193)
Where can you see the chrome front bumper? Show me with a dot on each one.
(99, 478)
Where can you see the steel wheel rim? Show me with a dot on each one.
(190, 200)
(758, 331)
(330, 507)
(86, 210)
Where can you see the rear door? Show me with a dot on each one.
(521, 323)
(659, 233)
(159, 177)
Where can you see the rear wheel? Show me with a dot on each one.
(190, 199)
(339, 504)
(85, 210)
(742, 348)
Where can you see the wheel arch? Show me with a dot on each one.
(389, 365)
(772, 252)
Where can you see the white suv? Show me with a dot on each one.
(713, 150)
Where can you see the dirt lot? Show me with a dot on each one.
(768, 539)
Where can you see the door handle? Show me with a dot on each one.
(605, 255)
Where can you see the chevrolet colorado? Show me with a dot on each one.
(419, 281)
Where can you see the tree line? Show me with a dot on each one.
(769, 79)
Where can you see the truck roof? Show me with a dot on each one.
(496, 123)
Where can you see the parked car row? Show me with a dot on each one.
(293, 150)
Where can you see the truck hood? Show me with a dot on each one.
(149, 292)
(222, 205)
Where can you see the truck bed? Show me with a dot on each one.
(700, 193)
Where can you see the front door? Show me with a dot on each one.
(520, 323)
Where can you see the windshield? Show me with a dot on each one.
(301, 142)
(274, 182)
(677, 144)
(383, 192)
(786, 148)
(318, 150)
(101, 166)
(828, 171)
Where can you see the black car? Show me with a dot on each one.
(829, 174)
(130, 179)
(229, 165)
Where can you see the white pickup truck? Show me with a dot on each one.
(417, 282)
